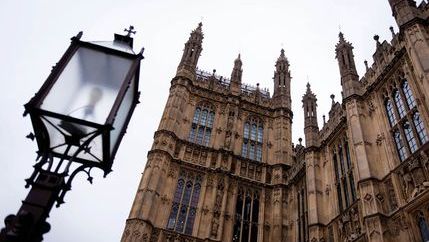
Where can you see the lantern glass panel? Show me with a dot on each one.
(122, 114)
(88, 86)
(59, 131)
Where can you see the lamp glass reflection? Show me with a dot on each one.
(86, 89)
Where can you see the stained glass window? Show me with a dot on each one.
(202, 124)
(252, 139)
(185, 202)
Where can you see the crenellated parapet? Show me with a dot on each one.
(337, 118)
(384, 59)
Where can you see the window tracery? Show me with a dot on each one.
(202, 124)
(344, 180)
(407, 128)
(185, 202)
(253, 139)
(246, 216)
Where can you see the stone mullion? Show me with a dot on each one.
(223, 209)
(410, 119)
(218, 122)
(200, 206)
(261, 216)
(404, 140)
(277, 214)
(210, 206)
(189, 203)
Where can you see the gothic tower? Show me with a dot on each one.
(221, 160)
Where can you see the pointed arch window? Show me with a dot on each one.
(408, 95)
(185, 201)
(399, 145)
(399, 104)
(390, 113)
(408, 130)
(423, 227)
(420, 128)
(202, 125)
(246, 216)
(344, 180)
(410, 137)
(253, 139)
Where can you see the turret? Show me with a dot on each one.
(349, 77)
(311, 128)
(236, 74)
(282, 81)
(405, 12)
(191, 53)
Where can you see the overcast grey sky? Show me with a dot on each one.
(35, 33)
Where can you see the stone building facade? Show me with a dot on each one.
(223, 167)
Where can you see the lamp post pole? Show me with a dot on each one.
(72, 136)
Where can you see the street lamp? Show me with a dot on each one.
(79, 117)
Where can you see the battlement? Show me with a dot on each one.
(383, 57)
(214, 81)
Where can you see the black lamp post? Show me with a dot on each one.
(79, 117)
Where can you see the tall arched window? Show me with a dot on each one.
(408, 95)
(423, 227)
(408, 130)
(253, 139)
(185, 202)
(246, 216)
(344, 181)
(410, 137)
(390, 113)
(420, 128)
(399, 104)
(202, 125)
(399, 145)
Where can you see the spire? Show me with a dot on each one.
(282, 77)
(192, 51)
(341, 36)
(349, 77)
(282, 63)
(308, 89)
(236, 74)
(237, 62)
(311, 128)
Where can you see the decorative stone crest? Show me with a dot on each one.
(380, 138)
